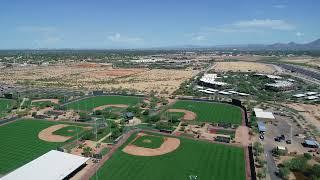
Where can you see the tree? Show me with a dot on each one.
(87, 151)
(284, 172)
(307, 156)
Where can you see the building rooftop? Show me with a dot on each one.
(263, 114)
(211, 79)
(53, 165)
(279, 84)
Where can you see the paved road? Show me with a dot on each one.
(272, 167)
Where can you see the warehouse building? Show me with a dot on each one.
(210, 80)
(54, 165)
(279, 86)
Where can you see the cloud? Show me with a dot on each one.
(274, 24)
(299, 34)
(118, 38)
(199, 38)
(279, 6)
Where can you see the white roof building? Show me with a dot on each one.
(263, 114)
(299, 95)
(312, 97)
(54, 165)
(211, 79)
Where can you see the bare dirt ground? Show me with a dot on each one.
(170, 144)
(303, 60)
(47, 135)
(92, 145)
(242, 135)
(310, 112)
(56, 101)
(110, 105)
(241, 66)
(93, 76)
(188, 115)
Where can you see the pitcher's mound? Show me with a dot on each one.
(170, 144)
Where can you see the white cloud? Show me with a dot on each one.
(274, 24)
(199, 38)
(117, 37)
(299, 34)
(279, 6)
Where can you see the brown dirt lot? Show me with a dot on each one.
(188, 115)
(56, 101)
(241, 66)
(96, 76)
(170, 144)
(308, 111)
(110, 105)
(47, 135)
(242, 135)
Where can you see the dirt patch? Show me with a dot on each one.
(170, 144)
(56, 101)
(242, 135)
(188, 115)
(47, 134)
(310, 112)
(110, 105)
(241, 66)
(92, 144)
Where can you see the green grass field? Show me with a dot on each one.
(211, 112)
(69, 131)
(43, 104)
(19, 143)
(147, 141)
(205, 160)
(90, 103)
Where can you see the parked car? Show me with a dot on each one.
(288, 141)
(277, 139)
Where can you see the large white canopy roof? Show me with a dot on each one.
(54, 165)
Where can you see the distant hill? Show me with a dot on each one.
(314, 45)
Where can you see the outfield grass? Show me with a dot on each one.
(211, 112)
(89, 103)
(69, 131)
(155, 141)
(19, 143)
(203, 159)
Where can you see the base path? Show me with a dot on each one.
(110, 105)
(188, 115)
(47, 134)
(170, 144)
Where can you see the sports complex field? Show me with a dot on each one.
(19, 142)
(211, 112)
(200, 159)
(89, 103)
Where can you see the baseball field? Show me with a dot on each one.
(211, 112)
(90, 103)
(191, 160)
(20, 143)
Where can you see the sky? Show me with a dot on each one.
(113, 24)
